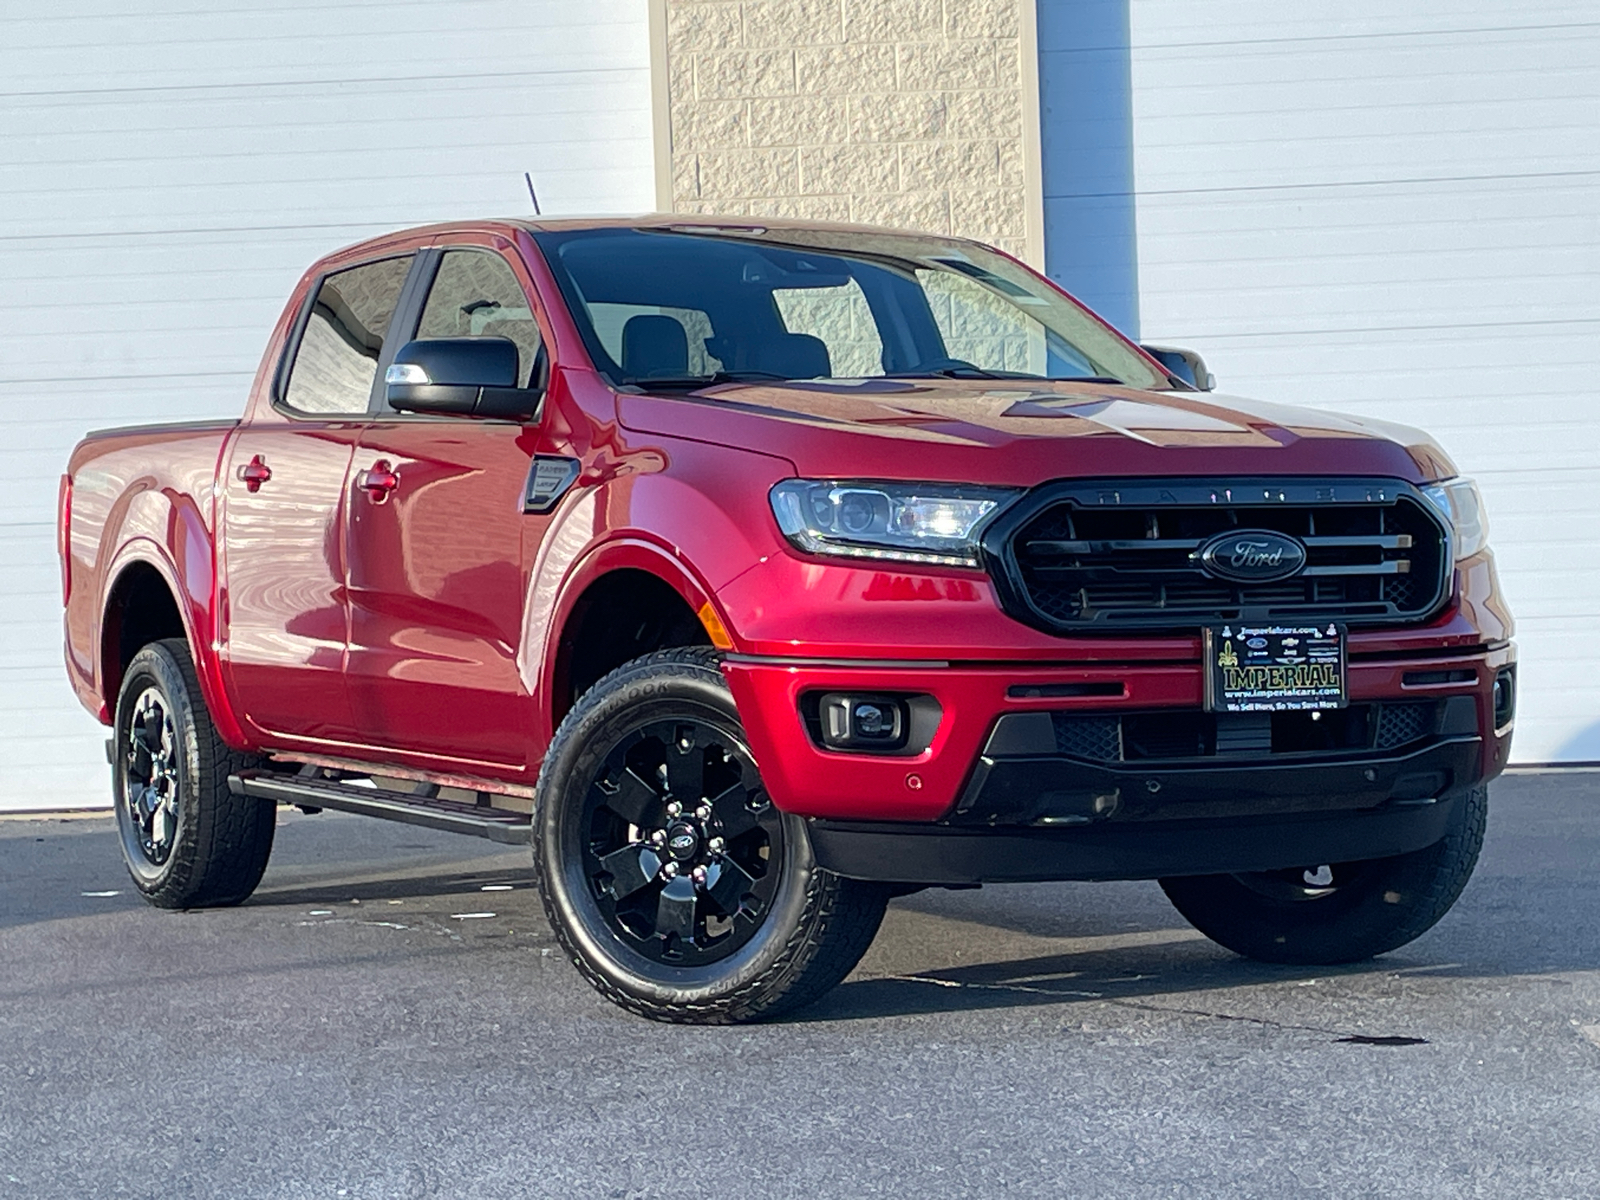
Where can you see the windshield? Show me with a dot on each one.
(688, 306)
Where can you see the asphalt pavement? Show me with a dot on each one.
(389, 1017)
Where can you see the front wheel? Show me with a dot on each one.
(678, 888)
(1336, 912)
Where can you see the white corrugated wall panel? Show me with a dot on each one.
(169, 167)
(1395, 211)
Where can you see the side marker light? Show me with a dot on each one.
(715, 629)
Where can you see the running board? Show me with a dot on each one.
(496, 824)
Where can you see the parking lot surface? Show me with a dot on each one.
(390, 1017)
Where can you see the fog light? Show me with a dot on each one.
(854, 722)
(1505, 697)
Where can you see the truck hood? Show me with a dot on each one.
(1023, 432)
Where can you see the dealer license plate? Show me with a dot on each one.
(1274, 668)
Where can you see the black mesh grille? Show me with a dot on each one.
(1190, 733)
(1401, 723)
(1098, 739)
(1400, 591)
(1085, 557)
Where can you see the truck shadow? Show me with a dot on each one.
(1503, 927)
(1528, 912)
(425, 885)
(1133, 977)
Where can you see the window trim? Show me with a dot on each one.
(408, 317)
(407, 313)
(291, 348)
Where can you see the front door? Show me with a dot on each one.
(283, 488)
(439, 553)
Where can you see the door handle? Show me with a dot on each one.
(255, 473)
(378, 480)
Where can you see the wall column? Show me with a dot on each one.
(905, 113)
(1086, 140)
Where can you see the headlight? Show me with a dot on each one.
(1462, 506)
(909, 522)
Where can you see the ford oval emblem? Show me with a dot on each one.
(1252, 555)
(682, 843)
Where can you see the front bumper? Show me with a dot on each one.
(996, 796)
(944, 854)
(1059, 791)
(933, 784)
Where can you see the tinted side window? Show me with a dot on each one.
(338, 355)
(476, 295)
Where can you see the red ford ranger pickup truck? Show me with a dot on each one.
(756, 573)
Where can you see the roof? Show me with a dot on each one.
(730, 223)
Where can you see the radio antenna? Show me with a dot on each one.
(532, 195)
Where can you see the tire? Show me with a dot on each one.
(713, 912)
(187, 840)
(1354, 911)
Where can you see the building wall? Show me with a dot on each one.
(1392, 210)
(909, 113)
(167, 170)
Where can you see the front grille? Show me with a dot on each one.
(1085, 557)
(1403, 723)
(1099, 739)
(1190, 733)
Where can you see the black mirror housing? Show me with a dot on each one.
(1185, 364)
(465, 376)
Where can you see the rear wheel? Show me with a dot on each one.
(187, 840)
(681, 892)
(1336, 912)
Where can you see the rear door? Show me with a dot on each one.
(283, 491)
(438, 565)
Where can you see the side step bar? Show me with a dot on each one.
(496, 824)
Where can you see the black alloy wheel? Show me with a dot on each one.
(1301, 885)
(187, 840)
(683, 845)
(676, 885)
(150, 792)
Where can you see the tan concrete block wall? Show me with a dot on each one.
(907, 113)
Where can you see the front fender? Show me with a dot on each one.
(691, 525)
(560, 579)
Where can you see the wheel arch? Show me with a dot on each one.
(142, 604)
(621, 599)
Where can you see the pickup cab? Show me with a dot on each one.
(754, 573)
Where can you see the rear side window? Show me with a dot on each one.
(476, 295)
(337, 359)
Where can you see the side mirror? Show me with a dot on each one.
(1185, 364)
(465, 376)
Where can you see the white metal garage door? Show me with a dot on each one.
(169, 167)
(1394, 210)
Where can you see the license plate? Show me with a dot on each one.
(1274, 668)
